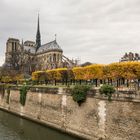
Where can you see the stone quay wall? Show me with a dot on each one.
(96, 119)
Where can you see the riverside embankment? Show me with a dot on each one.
(95, 119)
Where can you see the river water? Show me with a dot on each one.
(16, 128)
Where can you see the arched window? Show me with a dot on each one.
(54, 57)
(50, 58)
(15, 46)
(60, 57)
(57, 57)
(12, 46)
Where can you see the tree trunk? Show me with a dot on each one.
(117, 83)
(108, 81)
(96, 82)
(101, 81)
(138, 84)
(111, 81)
(66, 81)
(127, 83)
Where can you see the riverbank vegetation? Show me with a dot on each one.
(116, 74)
(23, 93)
(79, 93)
(107, 90)
(123, 74)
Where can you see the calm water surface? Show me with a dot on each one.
(16, 128)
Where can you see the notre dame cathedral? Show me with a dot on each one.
(30, 56)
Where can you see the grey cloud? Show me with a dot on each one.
(93, 30)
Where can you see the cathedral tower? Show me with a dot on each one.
(13, 50)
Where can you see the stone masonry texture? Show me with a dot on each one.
(96, 119)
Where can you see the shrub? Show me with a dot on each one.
(79, 93)
(8, 94)
(2, 90)
(108, 90)
(23, 92)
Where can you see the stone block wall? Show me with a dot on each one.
(96, 119)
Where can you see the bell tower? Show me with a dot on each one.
(12, 54)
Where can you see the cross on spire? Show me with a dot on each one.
(55, 36)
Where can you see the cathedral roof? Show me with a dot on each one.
(51, 46)
(12, 39)
(29, 49)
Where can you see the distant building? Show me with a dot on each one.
(29, 56)
(130, 57)
(86, 64)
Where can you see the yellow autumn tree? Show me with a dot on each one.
(93, 72)
(128, 70)
(137, 69)
(112, 73)
(38, 75)
(79, 73)
(6, 79)
(57, 74)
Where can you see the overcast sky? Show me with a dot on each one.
(99, 31)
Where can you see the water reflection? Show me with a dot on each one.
(16, 128)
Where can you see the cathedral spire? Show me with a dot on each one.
(22, 42)
(38, 36)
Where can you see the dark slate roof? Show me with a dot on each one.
(51, 46)
(29, 49)
(12, 39)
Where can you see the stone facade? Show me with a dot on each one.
(96, 119)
